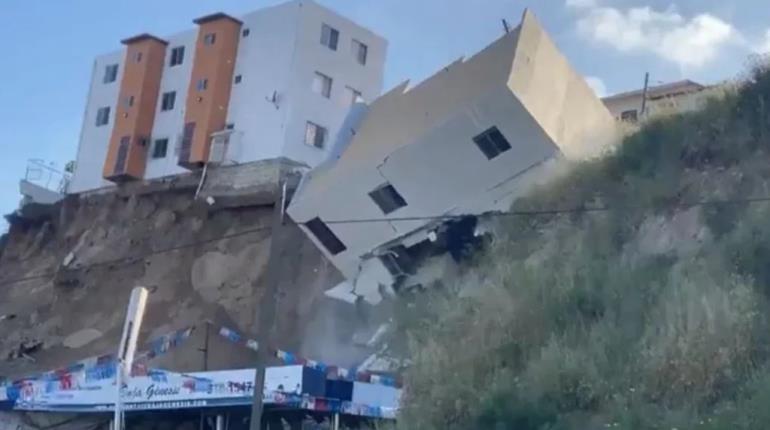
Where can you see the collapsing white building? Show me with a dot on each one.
(466, 141)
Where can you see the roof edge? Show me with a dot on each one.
(216, 17)
(142, 37)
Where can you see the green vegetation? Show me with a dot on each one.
(653, 315)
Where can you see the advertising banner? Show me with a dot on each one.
(157, 390)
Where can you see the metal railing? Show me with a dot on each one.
(47, 176)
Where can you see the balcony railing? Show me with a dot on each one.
(47, 176)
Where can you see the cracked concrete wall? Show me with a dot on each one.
(115, 241)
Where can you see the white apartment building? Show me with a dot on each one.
(277, 82)
(467, 141)
(679, 96)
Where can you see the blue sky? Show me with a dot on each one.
(50, 45)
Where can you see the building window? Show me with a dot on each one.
(630, 115)
(352, 96)
(360, 51)
(322, 85)
(203, 84)
(387, 198)
(329, 37)
(246, 32)
(230, 126)
(238, 79)
(103, 116)
(168, 101)
(177, 56)
(315, 135)
(160, 148)
(326, 236)
(492, 143)
(138, 57)
(129, 102)
(110, 73)
(209, 39)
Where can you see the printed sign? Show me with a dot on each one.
(158, 390)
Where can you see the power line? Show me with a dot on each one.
(134, 258)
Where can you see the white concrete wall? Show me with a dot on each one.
(311, 56)
(421, 141)
(169, 124)
(264, 61)
(94, 141)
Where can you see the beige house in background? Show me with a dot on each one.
(467, 141)
(680, 96)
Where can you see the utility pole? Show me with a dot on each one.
(205, 349)
(644, 93)
(267, 308)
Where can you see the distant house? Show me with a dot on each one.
(680, 96)
(466, 141)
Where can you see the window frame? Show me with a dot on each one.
(492, 143)
(155, 143)
(110, 73)
(325, 90)
(210, 39)
(357, 53)
(356, 95)
(316, 128)
(168, 95)
(630, 115)
(202, 84)
(103, 116)
(333, 34)
(325, 236)
(387, 198)
(177, 56)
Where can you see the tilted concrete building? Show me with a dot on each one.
(468, 140)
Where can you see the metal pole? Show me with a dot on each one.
(127, 348)
(206, 347)
(266, 309)
(506, 27)
(644, 93)
(336, 424)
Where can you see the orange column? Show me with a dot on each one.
(211, 82)
(135, 112)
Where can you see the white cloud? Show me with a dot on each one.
(597, 85)
(764, 46)
(581, 3)
(692, 42)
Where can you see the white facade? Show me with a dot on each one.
(272, 96)
(421, 141)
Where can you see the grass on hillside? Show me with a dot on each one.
(567, 322)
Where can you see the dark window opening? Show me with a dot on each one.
(168, 101)
(202, 84)
(246, 32)
(209, 39)
(387, 198)
(160, 148)
(323, 233)
(330, 37)
(238, 79)
(103, 116)
(177, 56)
(315, 135)
(492, 143)
(360, 52)
(110, 73)
(630, 115)
(138, 57)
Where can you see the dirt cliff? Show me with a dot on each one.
(67, 273)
